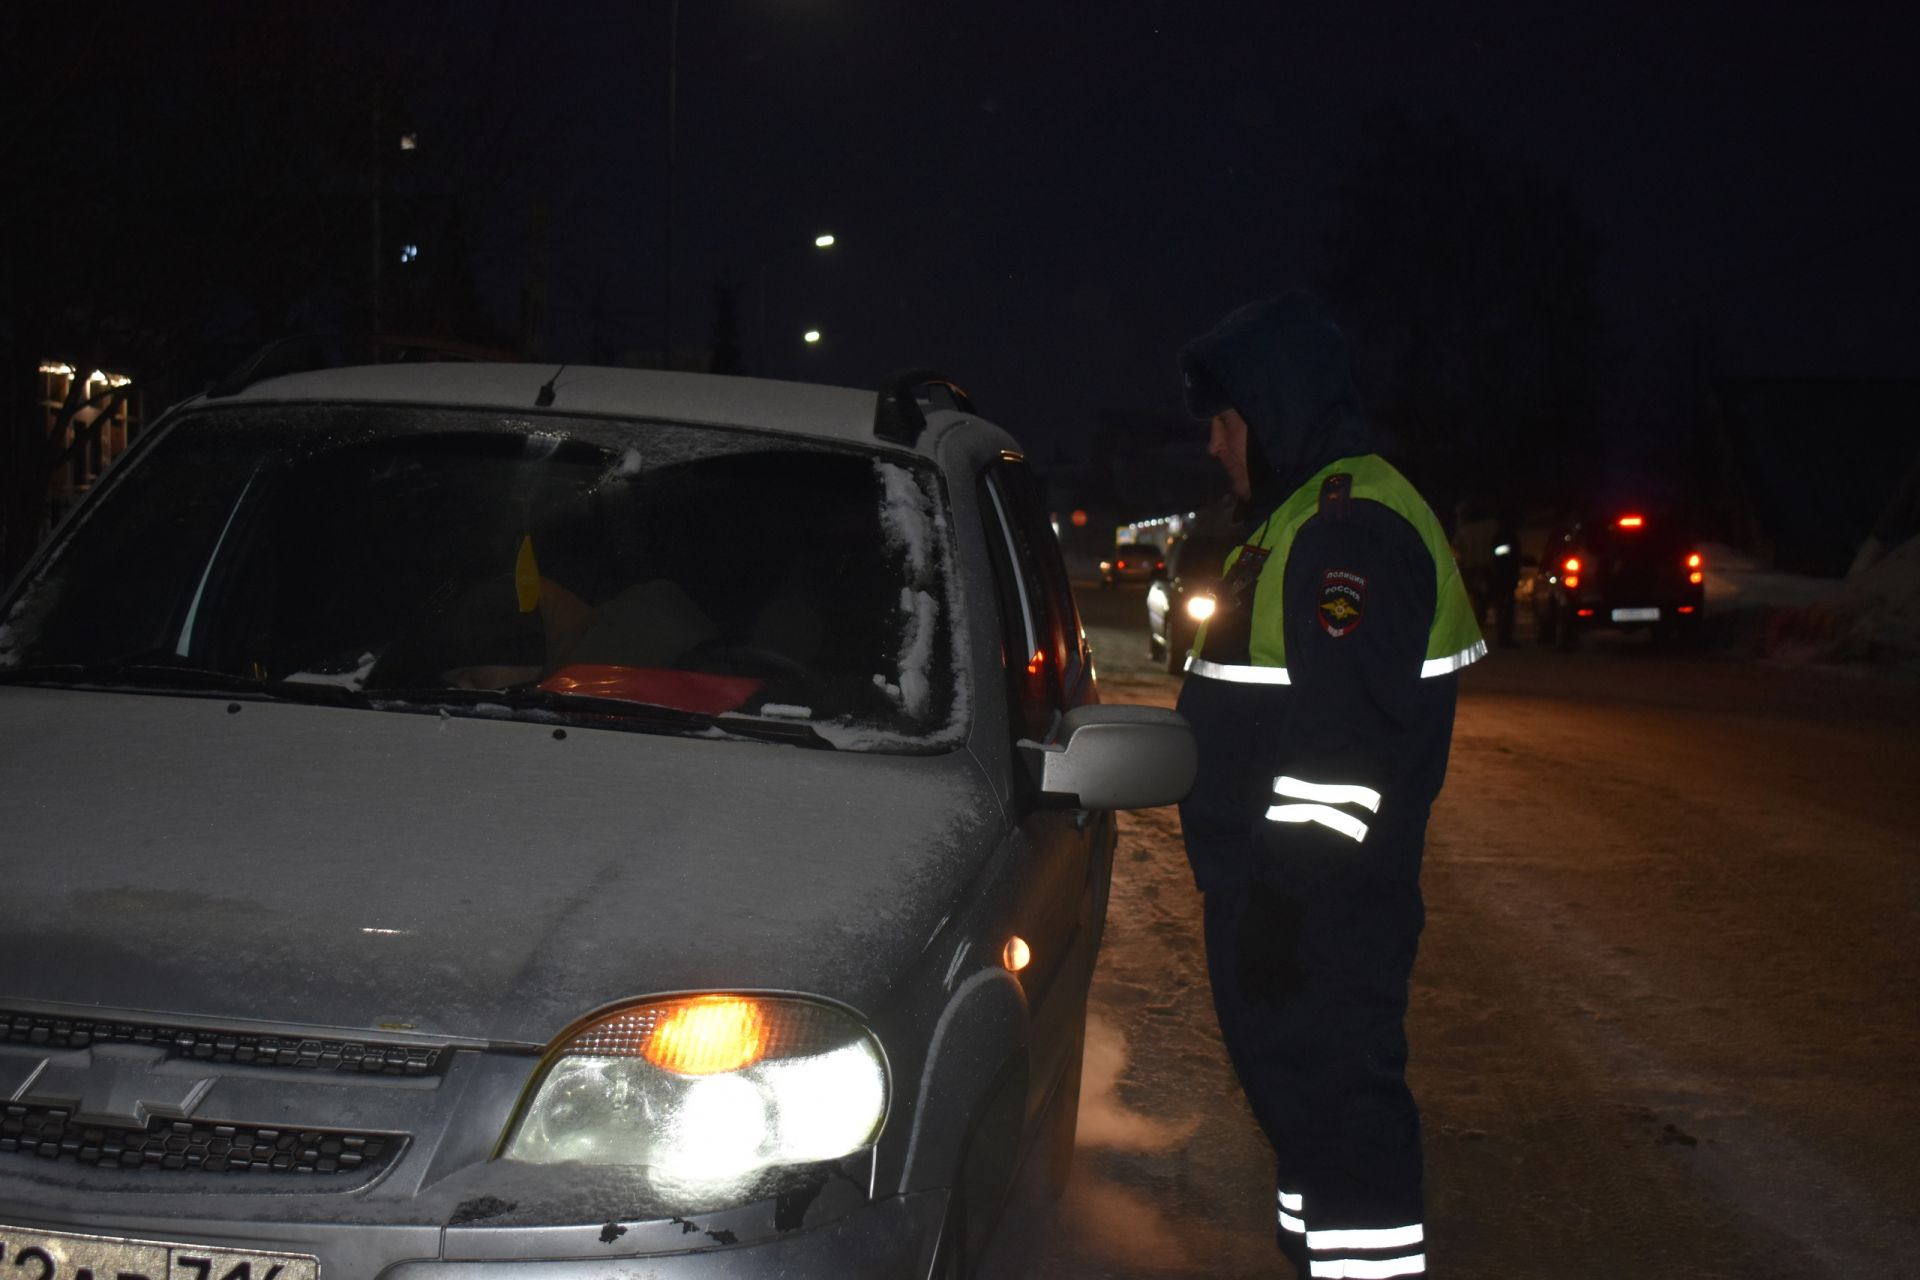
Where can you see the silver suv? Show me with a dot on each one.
(468, 820)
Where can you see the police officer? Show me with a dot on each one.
(1322, 696)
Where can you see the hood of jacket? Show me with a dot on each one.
(1283, 364)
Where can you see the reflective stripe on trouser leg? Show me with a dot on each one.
(1290, 1203)
(1374, 1253)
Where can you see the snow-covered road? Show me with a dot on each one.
(1666, 1013)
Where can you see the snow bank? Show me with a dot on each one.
(1873, 616)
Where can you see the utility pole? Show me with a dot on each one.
(673, 108)
(379, 252)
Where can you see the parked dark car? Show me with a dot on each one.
(452, 830)
(1179, 601)
(1627, 571)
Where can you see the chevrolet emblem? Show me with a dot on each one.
(116, 1084)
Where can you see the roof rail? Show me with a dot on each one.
(305, 352)
(897, 416)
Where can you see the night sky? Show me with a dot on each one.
(1045, 199)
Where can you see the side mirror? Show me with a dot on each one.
(1115, 757)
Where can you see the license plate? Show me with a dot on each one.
(1636, 615)
(27, 1254)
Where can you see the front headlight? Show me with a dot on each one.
(1200, 608)
(706, 1090)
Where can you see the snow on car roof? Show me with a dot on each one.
(837, 413)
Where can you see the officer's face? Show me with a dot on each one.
(1227, 445)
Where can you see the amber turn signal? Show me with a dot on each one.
(708, 1035)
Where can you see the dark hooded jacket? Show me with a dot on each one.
(1283, 364)
(1356, 710)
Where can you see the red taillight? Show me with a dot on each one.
(1696, 577)
(1572, 565)
(1123, 564)
(1584, 613)
(1686, 608)
(1159, 564)
(1632, 522)
(1693, 560)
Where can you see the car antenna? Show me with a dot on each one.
(545, 397)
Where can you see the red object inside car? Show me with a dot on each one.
(697, 691)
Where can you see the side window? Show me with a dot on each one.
(1063, 642)
(1027, 631)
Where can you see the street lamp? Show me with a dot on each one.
(823, 241)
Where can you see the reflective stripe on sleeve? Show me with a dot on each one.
(1345, 824)
(1328, 792)
(1414, 1264)
(1453, 662)
(1237, 674)
(1291, 1200)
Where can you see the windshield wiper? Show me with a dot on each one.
(166, 676)
(650, 714)
(141, 675)
(150, 676)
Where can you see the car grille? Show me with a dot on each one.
(197, 1045)
(208, 1146)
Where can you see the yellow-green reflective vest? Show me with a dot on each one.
(1454, 639)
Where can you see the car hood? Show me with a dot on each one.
(468, 877)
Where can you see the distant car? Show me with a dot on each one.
(1132, 562)
(1181, 600)
(451, 828)
(1623, 570)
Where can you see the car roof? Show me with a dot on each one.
(803, 408)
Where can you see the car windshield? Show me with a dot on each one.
(401, 558)
(1648, 539)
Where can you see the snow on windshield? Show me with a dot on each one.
(907, 517)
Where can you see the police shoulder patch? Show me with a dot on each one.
(1343, 601)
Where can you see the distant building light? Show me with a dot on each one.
(409, 252)
(811, 336)
(409, 142)
(111, 379)
(58, 370)
(823, 241)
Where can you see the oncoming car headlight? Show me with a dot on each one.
(706, 1089)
